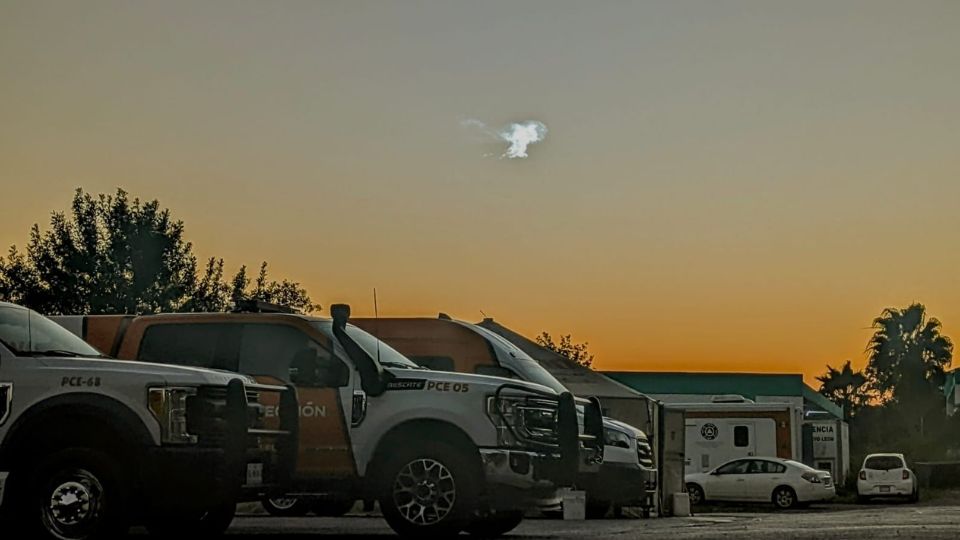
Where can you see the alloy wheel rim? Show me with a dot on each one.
(424, 491)
(784, 498)
(74, 505)
(283, 503)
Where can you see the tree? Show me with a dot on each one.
(113, 255)
(907, 355)
(845, 387)
(575, 352)
(109, 255)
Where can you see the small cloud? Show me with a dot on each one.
(518, 135)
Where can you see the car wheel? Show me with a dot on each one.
(285, 506)
(494, 524)
(784, 497)
(429, 491)
(915, 496)
(75, 494)
(696, 495)
(861, 499)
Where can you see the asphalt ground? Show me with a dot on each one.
(837, 521)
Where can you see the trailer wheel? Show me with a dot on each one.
(429, 490)
(285, 506)
(75, 494)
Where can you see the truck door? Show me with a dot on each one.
(283, 353)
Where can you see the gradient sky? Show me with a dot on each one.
(731, 186)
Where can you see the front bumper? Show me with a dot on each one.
(519, 477)
(624, 484)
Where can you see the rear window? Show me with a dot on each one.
(883, 463)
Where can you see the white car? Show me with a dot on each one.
(783, 482)
(887, 475)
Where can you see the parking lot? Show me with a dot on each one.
(829, 521)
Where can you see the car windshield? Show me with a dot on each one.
(378, 350)
(27, 333)
(883, 463)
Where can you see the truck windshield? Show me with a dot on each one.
(27, 333)
(520, 362)
(388, 356)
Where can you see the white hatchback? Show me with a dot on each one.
(887, 475)
(783, 482)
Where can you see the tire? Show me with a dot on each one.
(213, 522)
(495, 524)
(915, 496)
(429, 490)
(862, 499)
(696, 495)
(331, 508)
(597, 509)
(73, 494)
(285, 506)
(784, 498)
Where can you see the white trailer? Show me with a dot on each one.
(719, 432)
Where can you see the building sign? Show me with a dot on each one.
(824, 439)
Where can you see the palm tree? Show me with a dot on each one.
(845, 387)
(907, 355)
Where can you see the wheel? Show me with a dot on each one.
(915, 496)
(597, 509)
(331, 508)
(495, 524)
(695, 493)
(74, 494)
(213, 522)
(784, 497)
(429, 491)
(862, 499)
(285, 506)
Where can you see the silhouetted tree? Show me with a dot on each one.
(908, 355)
(845, 387)
(114, 255)
(575, 352)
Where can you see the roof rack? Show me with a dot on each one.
(259, 306)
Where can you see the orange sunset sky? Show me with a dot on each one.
(724, 186)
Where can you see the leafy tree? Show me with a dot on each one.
(907, 355)
(575, 352)
(845, 387)
(108, 255)
(113, 255)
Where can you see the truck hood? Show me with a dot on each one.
(473, 381)
(152, 373)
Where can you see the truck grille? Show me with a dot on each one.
(206, 415)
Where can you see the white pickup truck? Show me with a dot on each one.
(91, 446)
(442, 452)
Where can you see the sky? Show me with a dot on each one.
(723, 186)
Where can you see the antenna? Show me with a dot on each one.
(376, 316)
(484, 314)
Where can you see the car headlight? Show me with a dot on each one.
(169, 407)
(524, 419)
(612, 437)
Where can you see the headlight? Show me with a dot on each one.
(612, 437)
(169, 407)
(524, 419)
